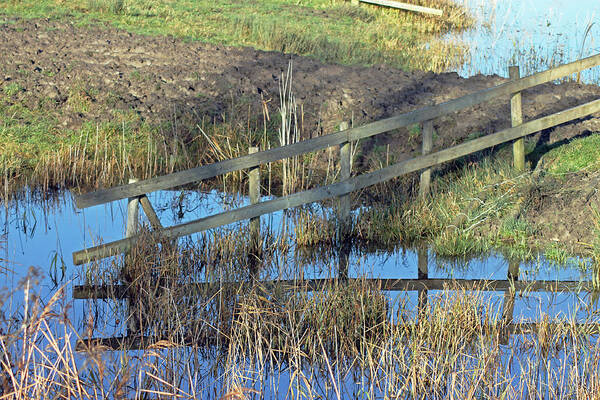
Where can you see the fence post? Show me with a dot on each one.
(425, 183)
(516, 116)
(344, 218)
(131, 229)
(254, 194)
(508, 306)
(133, 205)
(422, 274)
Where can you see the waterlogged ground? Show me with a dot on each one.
(534, 34)
(44, 234)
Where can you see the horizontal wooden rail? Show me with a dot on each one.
(347, 186)
(404, 6)
(153, 342)
(322, 142)
(122, 291)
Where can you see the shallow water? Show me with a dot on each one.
(534, 34)
(45, 234)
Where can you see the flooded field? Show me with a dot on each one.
(296, 313)
(534, 34)
(408, 296)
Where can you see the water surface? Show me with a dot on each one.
(534, 34)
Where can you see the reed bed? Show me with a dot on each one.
(341, 340)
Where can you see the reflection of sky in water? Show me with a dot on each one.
(42, 236)
(35, 234)
(535, 34)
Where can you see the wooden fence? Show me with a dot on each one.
(512, 88)
(401, 6)
(511, 286)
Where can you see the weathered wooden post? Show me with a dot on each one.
(345, 172)
(516, 116)
(344, 218)
(425, 183)
(423, 274)
(254, 194)
(509, 299)
(131, 229)
(133, 206)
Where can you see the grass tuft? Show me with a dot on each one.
(578, 155)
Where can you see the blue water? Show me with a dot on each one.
(534, 34)
(43, 235)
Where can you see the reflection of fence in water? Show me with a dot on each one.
(136, 191)
(511, 287)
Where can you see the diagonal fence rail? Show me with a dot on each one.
(343, 188)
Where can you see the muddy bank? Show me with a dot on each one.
(81, 74)
(162, 79)
(564, 210)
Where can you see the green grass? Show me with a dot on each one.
(577, 155)
(11, 89)
(32, 139)
(332, 31)
(36, 150)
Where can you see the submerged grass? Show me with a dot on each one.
(334, 341)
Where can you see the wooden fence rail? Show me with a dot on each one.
(347, 186)
(209, 289)
(511, 287)
(319, 143)
(402, 6)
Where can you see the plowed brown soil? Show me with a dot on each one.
(163, 79)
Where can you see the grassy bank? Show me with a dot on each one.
(38, 152)
(331, 31)
(479, 205)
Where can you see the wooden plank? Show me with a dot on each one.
(209, 289)
(305, 146)
(149, 342)
(208, 171)
(516, 116)
(427, 146)
(116, 292)
(347, 186)
(137, 342)
(150, 213)
(405, 6)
